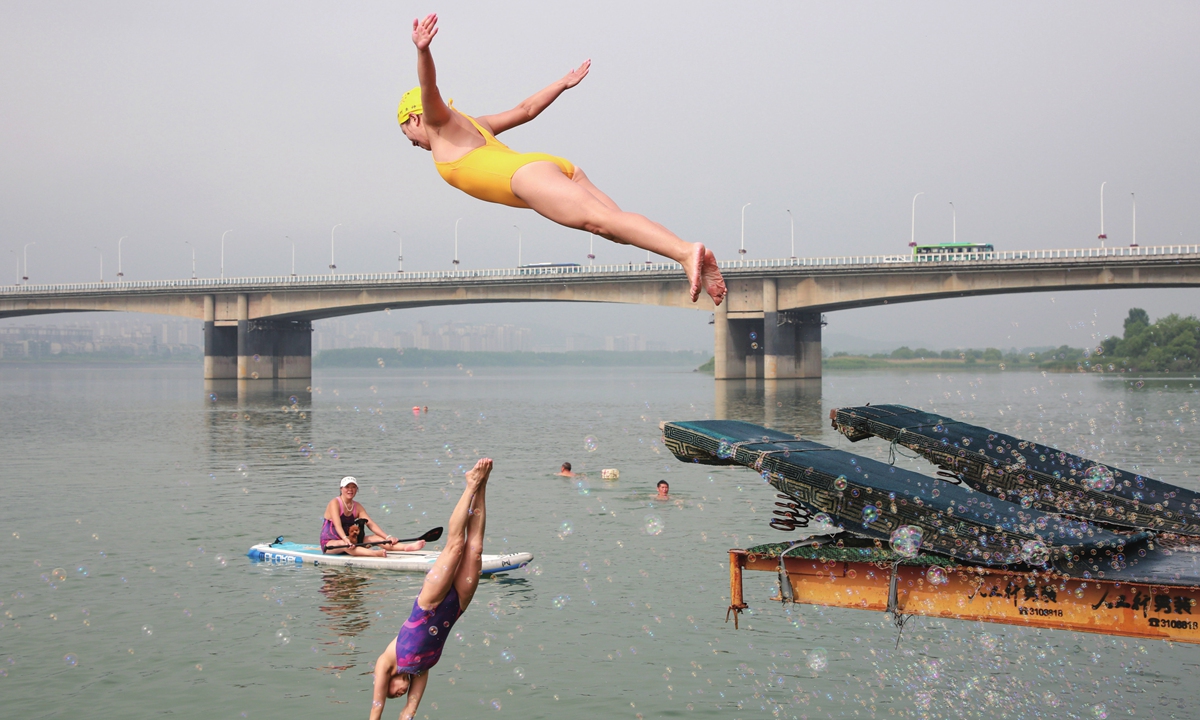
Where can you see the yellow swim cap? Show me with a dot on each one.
(410, 105)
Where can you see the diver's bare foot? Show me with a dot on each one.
(710, 274)
(478, 475)
(693, 265)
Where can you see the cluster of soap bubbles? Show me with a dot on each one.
(1098, 477)
(906, 540)
(936, 576)
(560, 601)
(654, 524)
(818, 659)
(589, 443)
(1035, 552)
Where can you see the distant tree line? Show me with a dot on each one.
(1172, 344)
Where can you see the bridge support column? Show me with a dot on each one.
(737, 346)
(274, 349)
(778, 338)
(220, 345)
(807, 355)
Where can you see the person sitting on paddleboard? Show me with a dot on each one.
(404, 665)
(342, 513)
(469, 157)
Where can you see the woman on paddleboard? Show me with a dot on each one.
(469, 157)
(404, 665)
(342, 513)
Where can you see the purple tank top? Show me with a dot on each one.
(329, 532)
(420, 640)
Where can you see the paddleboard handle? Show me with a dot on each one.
(278, 541)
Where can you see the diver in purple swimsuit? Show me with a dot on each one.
(403, 667)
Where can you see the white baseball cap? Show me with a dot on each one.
(349, 480)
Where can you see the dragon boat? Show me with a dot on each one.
(911, 544)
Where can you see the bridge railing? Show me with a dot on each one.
(625, 270)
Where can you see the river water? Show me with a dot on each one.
(132, 494)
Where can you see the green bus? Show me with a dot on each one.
(945, 252)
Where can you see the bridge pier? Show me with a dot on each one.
(779, 345)
(274, 349)
(220, 344)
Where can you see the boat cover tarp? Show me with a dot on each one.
(1028, 473)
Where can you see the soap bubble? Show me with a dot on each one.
(870, 514)
(724, 450)
(653, 524)
(506, 656)
(589, 443)
(147, 631)
(221, 562)
(1035, 552)
(1100, 478)
(245, 471)
(1099, 710)
(519, 672)
(71, 659)
(823, 518)
(282, 636)
(818, 659)
(988, 641)
(753, 336)
(58, 574)
(840, 483)
(583, 487)
(82, 570)
(906, 539)
(936, 576)
(566, 528)
(495, 704)
(333, 453)
(560, 602)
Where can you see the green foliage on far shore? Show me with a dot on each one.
(1170, 344)
(414, 358)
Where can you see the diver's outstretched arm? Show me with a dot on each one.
(434, 108)
(533, 105)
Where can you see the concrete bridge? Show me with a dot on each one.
(770, 327)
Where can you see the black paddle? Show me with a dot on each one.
(428, 537)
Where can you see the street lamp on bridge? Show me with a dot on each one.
(223, 251)
(1134, 243)
(455, 261)
(742, 250)
(954, 220)
(332, 265)
(912, 241)
(400, 258)
(591, 247)
(25, 256)
(792, 223)
(193, 247)
(97, 248)
(518, 246)
(1102, 236)
(119, 273)
(293, 242)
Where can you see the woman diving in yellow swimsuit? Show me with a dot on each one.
(469, 157)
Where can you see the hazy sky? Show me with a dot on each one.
(174, 122)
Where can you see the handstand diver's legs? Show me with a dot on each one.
(467, 579)
(553, 195)
(441, 578)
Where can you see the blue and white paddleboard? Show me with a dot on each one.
(418, 561)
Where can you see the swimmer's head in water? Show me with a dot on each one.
(398, 685)
(663, 486)
(410, 105)
(567, 466)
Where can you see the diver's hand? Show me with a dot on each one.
(572, 78)
(424, 30)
